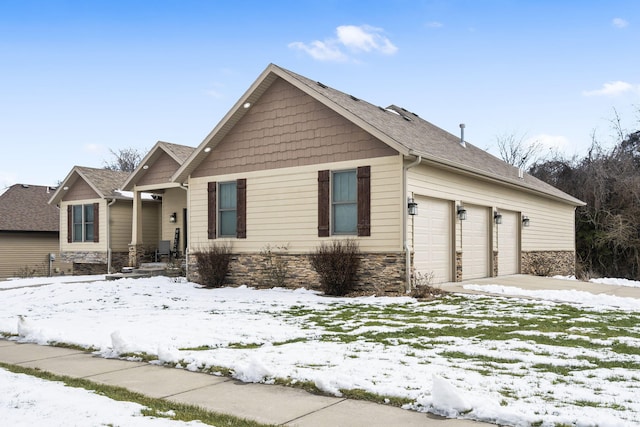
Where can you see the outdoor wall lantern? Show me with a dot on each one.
(525, 221)
(412, 207)
(497, 217)
(461, 212)
(172, 217)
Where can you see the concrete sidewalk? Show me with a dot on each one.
(537, 283)
(269, 404)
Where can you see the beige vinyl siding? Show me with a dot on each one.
(101, 245)
(552, 222)
(80, 190)
(282, 207)
(173, 200)
(20, 251)
(150, 220)
(120, 218)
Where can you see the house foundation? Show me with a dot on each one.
(548, 263)
(379, 273)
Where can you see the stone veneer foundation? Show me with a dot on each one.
(548, 263)
(88, 263)
(379, 274)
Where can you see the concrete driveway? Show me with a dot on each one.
(527, 282)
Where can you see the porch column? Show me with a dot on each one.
(136, 229)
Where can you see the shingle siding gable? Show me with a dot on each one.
(288, 128)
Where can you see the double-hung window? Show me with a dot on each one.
(344, 202)
(227, 209)
(83, 223)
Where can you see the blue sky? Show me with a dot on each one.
(78, 78)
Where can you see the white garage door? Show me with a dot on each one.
(475, 243)
(508, 246)
(432, 238)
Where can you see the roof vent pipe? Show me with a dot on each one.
(462, 135)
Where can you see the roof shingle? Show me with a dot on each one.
(26, 208)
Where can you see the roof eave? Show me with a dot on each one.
(251, 95)
(466, 170)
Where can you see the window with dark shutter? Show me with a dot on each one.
(364, 201)
(324, 203)
(69, 224)
(96, 224)
(241, 209)
(212, 209)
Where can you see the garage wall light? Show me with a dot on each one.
(412, 206)
(461, 212)
(172, 217)
(497, 217)
(525, 221)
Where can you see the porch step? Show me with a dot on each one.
(146, 269)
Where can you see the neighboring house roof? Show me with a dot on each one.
(402, 130)
(26, 208)
(179, 153)
(106, 183)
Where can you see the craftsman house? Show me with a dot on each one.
(295, 163)
(29, 233)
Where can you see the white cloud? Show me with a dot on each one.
(619, 23)
(434, 24)
(322, 51)
(613, 89)
(95, 148)
(215, 92)
(355, 38)
(6, 181)
(365, 38)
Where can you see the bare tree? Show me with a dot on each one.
(126, 160)
(516, 151)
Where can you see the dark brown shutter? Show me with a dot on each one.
(364, 201)
(324, 204)
(241, 209)
(96, 222)
(69, 223)
(211, 206)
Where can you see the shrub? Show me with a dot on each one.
(276, 267)
(26, 272)
(423, 286)
(213, 265)
(337, 264)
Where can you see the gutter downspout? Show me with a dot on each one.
(405, 241)
(109, 235)
(185, 187)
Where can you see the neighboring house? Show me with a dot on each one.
(96, 220)
(296, 163)
(29, 233)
